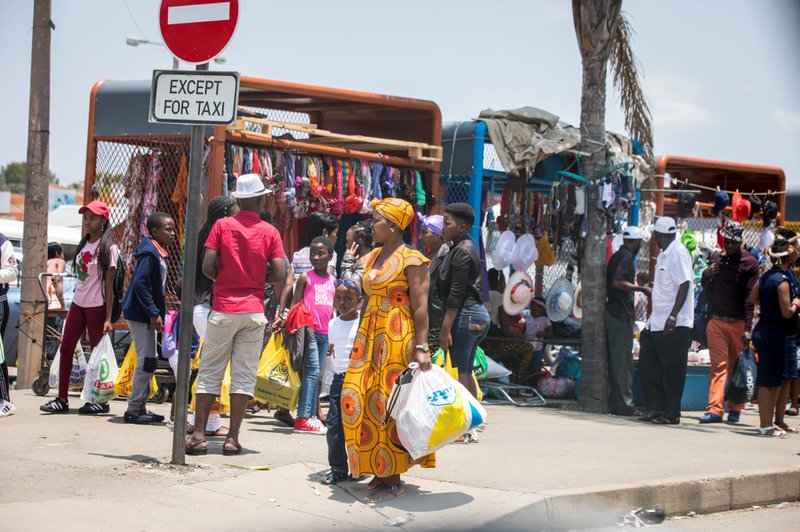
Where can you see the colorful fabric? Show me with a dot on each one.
(398, 211)
(383, 348)
(433, 223)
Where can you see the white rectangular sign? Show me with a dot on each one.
(194, 97)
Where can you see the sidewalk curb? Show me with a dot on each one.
(597, 506)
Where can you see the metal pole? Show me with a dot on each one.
(181, 398)
(34, 234)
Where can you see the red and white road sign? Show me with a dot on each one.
(196, 31)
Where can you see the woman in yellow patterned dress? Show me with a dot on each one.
(392, 334)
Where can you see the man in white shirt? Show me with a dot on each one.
(665, 341)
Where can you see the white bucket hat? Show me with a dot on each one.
(518, 293)
(249, 186)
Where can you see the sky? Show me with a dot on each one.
(721, 76)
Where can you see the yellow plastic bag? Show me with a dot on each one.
(477, 387)
(276, 382)
(124, 382)
(442, 359)
(222, 404)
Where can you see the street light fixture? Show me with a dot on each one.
(130, 41)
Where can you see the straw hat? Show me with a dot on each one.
(560, 300)
(518, 293)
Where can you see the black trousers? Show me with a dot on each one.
(5, 382)
(662, 368)
(337, 454)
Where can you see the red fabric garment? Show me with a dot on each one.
(741, 207)
(298, 316)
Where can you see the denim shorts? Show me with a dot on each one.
(469, 330)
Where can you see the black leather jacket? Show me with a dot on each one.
(460, 276)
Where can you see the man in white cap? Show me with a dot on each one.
(620, 288)
(665, 341)
(238, 250)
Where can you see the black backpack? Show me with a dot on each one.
(118, 288)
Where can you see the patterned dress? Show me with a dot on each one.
(383, 348)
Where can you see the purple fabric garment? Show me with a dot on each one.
(433, 223)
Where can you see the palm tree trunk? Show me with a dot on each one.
(595, 22)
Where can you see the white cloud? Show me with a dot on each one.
(677, 100)
(787, 120)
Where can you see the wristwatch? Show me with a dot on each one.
(424, 347)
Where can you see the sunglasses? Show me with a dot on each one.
(347, 283)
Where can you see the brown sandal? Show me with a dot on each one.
(386, 493)
(231, 447)
(787, 428)
(199, 448)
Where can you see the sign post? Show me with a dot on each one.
(195, 31)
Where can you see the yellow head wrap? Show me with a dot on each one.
(397, 211)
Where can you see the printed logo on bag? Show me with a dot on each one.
(442, 397)
(279, 373)
(103, 369)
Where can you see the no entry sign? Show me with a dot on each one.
(196, 31)
(194, 97)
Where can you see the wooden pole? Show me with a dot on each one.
(34, 241)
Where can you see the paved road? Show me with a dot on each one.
(783, 516)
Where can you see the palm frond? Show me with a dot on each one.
(638, 118)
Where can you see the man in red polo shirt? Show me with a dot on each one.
(239, 249)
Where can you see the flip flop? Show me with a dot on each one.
(231, 447)
(386, 493)
(199, 448)
(772, 432)
(786, 428)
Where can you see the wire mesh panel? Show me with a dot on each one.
(135, 177)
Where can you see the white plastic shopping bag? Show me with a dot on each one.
(326, 377)
(54, 365)
(434, 411)
(101, 372)
(77, 375)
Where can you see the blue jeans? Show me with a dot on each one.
(337, 454)
(469, 330)
(312, 366)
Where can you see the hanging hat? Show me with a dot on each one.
(577, 311)
(741, 207)
(560, 300)
(755, 205)
(686, 203)
(769, 210)
(721, 200)
(525, 252)
(733, 231)
(249, 186)
(501, 256)
(689, 240)
(518, 293)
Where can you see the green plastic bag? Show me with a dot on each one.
(480, 367)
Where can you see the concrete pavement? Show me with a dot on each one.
(533, 469)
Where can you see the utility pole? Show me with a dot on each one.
(34, 241)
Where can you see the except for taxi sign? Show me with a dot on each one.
(196, 31)
(194, 97)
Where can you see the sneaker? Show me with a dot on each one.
(309, 425)
(56, 406)
(733, 416)
(7, 409)
(708, 417)
(157, 418)
(94, 408)
(284, 417)
(137, 419)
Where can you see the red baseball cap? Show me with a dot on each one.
(97, 207)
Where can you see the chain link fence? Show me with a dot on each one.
(135, 177)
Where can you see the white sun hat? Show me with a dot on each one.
(518, 293)
(249, 186)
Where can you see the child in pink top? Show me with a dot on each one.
(316, 290)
